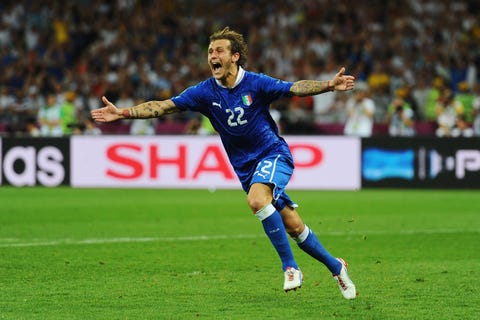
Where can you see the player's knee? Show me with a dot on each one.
(257, 203)
(294, 231)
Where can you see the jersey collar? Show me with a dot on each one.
(240, 75)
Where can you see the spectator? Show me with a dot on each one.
(68, 114)
(50, 118)
(420, 92)
(360, 111)
(400, 118)
(433, 96)
(35, 100)
(476, 111)
(31, 128)
(466, 97)
(448, 111)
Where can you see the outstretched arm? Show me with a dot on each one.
(149, 109)
(340, 82)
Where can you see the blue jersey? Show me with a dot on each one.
(240, 115)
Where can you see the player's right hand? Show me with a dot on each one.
(106, 114)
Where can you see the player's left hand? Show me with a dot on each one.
(343, 82)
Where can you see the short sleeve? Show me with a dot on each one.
(273, 88)
(190, 99)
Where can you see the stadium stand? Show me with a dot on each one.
(154, 49)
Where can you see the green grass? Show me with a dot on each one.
(190, 254)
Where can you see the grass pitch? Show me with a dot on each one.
(191, 254)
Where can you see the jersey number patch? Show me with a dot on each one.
(235, 117)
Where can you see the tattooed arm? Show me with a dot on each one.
(149, 109)
(304, 88)
(340, 82)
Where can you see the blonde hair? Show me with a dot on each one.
(237, 43)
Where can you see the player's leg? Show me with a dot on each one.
(308, 242)
(260, 202)
(267, 182)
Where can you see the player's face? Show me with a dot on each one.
(220, 59)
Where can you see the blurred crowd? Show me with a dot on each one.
(416, 62)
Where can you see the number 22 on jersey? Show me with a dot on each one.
(235, 117)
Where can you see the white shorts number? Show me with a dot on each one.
(264, 169)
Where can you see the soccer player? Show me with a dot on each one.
(236, 102)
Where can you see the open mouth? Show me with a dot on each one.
(216, 66)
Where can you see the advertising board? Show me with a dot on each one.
(421, 163)
(31, 161)
(201, 162)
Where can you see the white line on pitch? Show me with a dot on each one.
(12, 242)
(40, 242)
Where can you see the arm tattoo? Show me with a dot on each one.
(150, 109)
(305, 88)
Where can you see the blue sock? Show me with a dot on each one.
(275, 230)
(308, 242)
